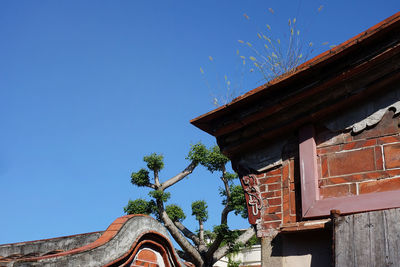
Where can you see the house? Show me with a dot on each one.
(131, 240)
(318, 149)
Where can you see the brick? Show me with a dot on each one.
(359, 144)
(293, 218)
(292, 187)
(274, 172)
(351, 162)
(329, 149)
(271, 194)
(353, 189)
(285, 200)
(270, 180)
(379, 186)
(286, 218)
(378, 158)
(273, 209)
(388, 140)
(335, 191)
(274, 201)
(261, 175)
(292, 200)
(147, 255)
(291, 171)
(285, 176)
(392, 156)
(361, 177)
(262, 188)
(273, 187)
(324, 166)
(272, 217)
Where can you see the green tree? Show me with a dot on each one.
(205, 247)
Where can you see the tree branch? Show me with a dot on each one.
(188, 170)
(201, 245)
(184, 255)
(201, 231)
(224, 218)
(179, 238)
(156, 179)
(189, 234)
(152, 186)
(243, 238)
(226, 184)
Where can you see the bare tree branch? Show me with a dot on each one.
(184, 255)
(152, 186)
(188, 170)
(243, 238)
(218, 240)
(186, 232)
(226, 184)
(179, 238)
(224, 217)
(201, 231)
(156, 179)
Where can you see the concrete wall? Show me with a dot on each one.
(42, 247)
(247, 257)
(302, 249)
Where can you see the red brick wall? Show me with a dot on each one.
(280, 200)
(348, 165)
(357, 164)
(146, 258)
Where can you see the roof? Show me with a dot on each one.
(314, 90)
(119, 245)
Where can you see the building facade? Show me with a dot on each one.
(320, 142)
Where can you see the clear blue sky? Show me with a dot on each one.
(89, 87)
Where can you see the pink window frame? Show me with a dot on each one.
(313, 206)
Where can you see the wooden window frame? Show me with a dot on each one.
(313, 206)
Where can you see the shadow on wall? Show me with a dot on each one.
(311, 248)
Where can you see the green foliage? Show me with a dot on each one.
(215, 160)
(138, 206)
(233, 263)
(210, 235)
(199, 210)
(198, 153)
(221, 229)
(237, 201)
(230, 176)
(229, 237)
(175, 213)
(254, 240)
(140, 178)
(154, 161)
(211, 158)
(160, 195)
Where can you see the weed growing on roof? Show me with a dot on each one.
(268, 56)
(271, 56)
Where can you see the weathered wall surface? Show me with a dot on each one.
(118, 245)
(363, 163)
(368, 239)
(45, 246)
(348, 164)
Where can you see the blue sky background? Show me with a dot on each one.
(87, 88)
